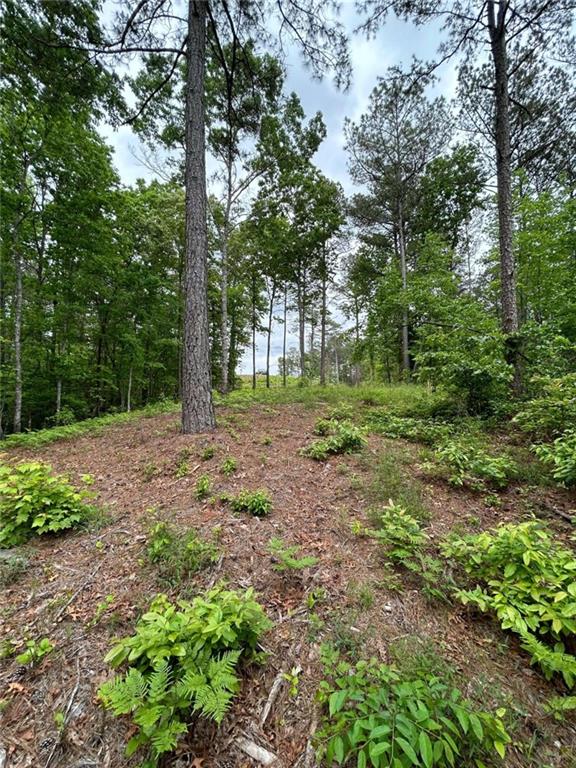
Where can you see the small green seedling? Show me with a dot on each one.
(101, 609)
(293, 677)
(229, 466)
(203, 487)
(208, 453)
(256, 503)
(286, 557)
(35, 651)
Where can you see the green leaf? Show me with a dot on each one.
(426, 749)
(408, 750)
(337, 701)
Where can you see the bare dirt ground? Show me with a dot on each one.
(350, 597)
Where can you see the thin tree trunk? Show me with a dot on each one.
(337, 365)
(253, 332)
(129, 391)
(224, 334)
(285, 331)
(403, 270)
(269, 338)
(17, 426)
(58, 397)
(323, 334)
(301, 327)
(197, 407)
(497, 28)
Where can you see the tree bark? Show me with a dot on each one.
(404, 273)
(285, 331)
(302, 324)
(129, 391)
(197, 407)
(497, 29)
(323, 333)
(269, 338)
(17, 426)
(254, 332)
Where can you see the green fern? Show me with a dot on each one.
(182, 661)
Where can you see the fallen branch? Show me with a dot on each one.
(272, 696)
(256, 752)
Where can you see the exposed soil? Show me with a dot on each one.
(314, 503)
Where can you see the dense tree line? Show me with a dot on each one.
(453, 262)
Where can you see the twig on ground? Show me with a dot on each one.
(272, 696)
(66, 713)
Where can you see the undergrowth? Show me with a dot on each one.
(377, 715)
(33, 501)
(178, 554)
(183, 660)
(528, 581)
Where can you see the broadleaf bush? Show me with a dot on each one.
(183, 659)
(345, 438)
(561, 457)
(33, 501)
(178, 554)
(528, 581)
(376, 715)
(466, 462)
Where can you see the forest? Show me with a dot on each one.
(287, 389)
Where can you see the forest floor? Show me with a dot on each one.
(352, 597)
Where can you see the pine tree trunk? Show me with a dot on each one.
(497, 29)
(301, 327)
(404, 273)
(323, 334)
(269, 338)
(253, 332)
(197, 407)
(17, 426)
(285, 331)
(58, 398)
(129, 392)
(225, 339)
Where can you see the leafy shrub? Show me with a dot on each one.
(399, 532)
(256, 503)
(286, 557)
(561, 455)
(341, 412)
(324, 427)
(529, 582)
(418, 430)
(548, 415)
(35, 650)
(466, 462)
(178, 554)
(229, 466)
(208, 453)
(203, 487)
(182, 468)
(379, 716)
(33, 501)
(346, 439)
(183, 659)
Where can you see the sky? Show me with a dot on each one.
(395, 44)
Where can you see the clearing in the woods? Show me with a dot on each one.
(82, 589)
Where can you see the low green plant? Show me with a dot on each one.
(424, 431)
(399, 532)
(286, 557)
(87, 426)
(561, 457)
(293, 677)
(346, 438)
(324, 427)
(257, 503)
(553, 411)
(149, 471)
(341, 412)
(208, 453)
(203, 487)
(528, 581)
(558, 706)
(183, 659)
(101, 609)
(466, 462)
(377, 716)
(229, 466)
(178, 554)
(11, 568)
(34, 501)
(182, 468)
(35, 650)
(266, 440)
